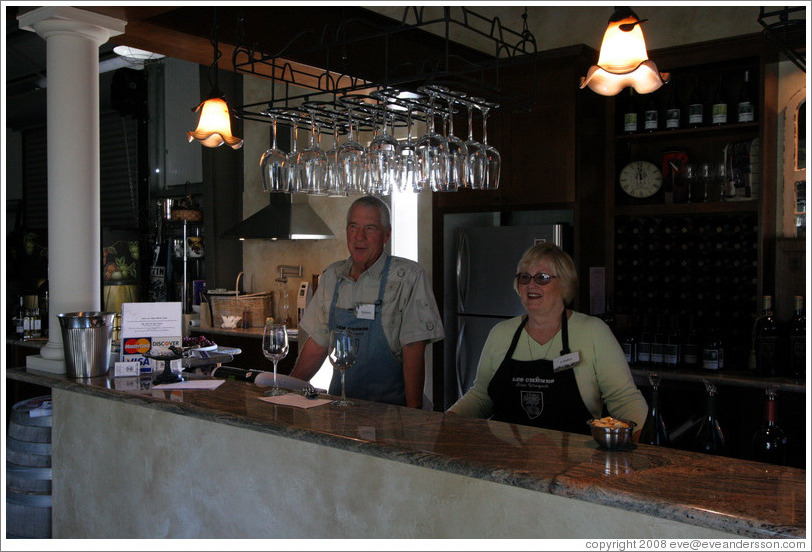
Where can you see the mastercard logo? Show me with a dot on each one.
(135, 346)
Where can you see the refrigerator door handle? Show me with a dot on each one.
(457, 363)
(463, 270)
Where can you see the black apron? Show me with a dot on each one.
(529, 392)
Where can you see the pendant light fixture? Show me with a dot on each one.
(623, 59)
(214, 127)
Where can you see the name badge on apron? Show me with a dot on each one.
(365, 311)
(565, 362)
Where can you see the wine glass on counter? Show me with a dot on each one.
(343, 351)
(275, 347)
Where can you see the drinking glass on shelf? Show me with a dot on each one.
(492, 159)
(343, 351)
(312, 162)
(476, 154)
(272, 163)
(275, 347)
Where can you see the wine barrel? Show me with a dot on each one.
(28, 471)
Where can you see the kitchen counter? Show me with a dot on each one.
(483, 478)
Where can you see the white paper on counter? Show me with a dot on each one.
(193, 384)
(292, 399)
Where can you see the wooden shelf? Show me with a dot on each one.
(659, 209)
(692, 133)
(738, 378)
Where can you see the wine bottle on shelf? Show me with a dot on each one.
(696, 105)
(766, 340)
(719, 108)
(691, 350)
(156, 292)
(713, 350)
(672, 109)
(672, 350)
(797, 340)
(629, 343)
(630, 113)
(709, 438)
(644, 344)
(770, 443)
(658, 344)
(745, 111)
(654, 430)
(651, 117)
(19, 320)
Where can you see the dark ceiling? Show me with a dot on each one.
(298, 33)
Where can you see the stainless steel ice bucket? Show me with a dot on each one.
(86, 339)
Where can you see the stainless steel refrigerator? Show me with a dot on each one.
(479, 293)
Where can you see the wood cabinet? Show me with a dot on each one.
(709, 260)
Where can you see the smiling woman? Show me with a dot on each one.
(552, 367)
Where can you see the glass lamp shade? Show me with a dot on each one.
(214, 128)
(623, 61)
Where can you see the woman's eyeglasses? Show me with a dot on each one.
(541, 279)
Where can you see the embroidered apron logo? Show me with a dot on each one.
(532, 403)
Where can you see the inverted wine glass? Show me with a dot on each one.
(352, 157)
(457, 155)
(384, 159)
(275, 347)
(432, 153)
(312, 162)
(333, 182)
(492, 159)
(292, 165)
(272, 164)
(476, 154)
(408, 160)
(343, 352)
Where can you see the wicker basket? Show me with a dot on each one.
(254, 308)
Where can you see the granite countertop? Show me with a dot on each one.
(740, 497)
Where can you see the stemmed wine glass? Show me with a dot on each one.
(275, 348)
(408, 160)
(352, 157)
(333, 185)
(312, 162)
(292, 166)
(384, 159)
(272, 164)
(492, 159)
(457, 155)
(432, 153)
(476, 154)
(343, 351)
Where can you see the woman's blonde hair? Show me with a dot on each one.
(562, 263)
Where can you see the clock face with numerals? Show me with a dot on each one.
(641, 179)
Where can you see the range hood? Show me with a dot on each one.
(285, 218)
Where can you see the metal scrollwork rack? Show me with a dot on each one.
(330, 96)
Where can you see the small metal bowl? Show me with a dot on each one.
(613, 438)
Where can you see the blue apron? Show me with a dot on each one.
(377, 375)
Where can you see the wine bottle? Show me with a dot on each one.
(770, 443)
(629, 343)
(672, 109)
(657, 344)
(672, 350)
(630, 114)
(709, 438)
(745, 110)
(766, 340)
(719, 109)
(654, 430)
(690, 351)
(156, 291)
(797, 341)
(651, 117)
(713, 351)
(644, 344)
(696, 106)
(19, 319)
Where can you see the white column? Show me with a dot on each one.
(73, 37)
